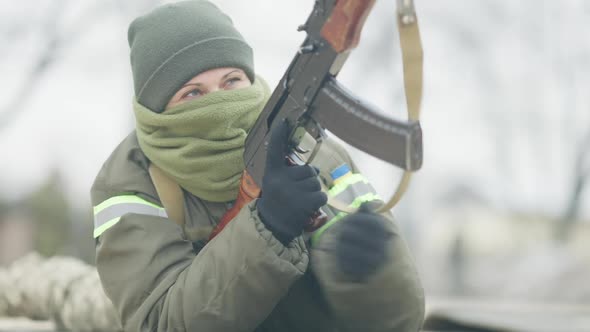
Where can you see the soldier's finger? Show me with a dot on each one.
(309, 185)
(277, 145)
(316, 200)
(301, 172)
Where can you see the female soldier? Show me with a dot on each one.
(196, 98)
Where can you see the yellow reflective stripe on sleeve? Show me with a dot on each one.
(122, 199)
(356, 204)
(353, 191)
(346, 182)
(109, 212)
(98, 231)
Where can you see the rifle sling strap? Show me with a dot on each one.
(170, 194)
(412, 58)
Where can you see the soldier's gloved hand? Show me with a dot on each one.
(290, 194)
(361, 246)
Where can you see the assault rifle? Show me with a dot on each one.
(310, 98)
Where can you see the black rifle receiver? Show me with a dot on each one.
(311, 100)
(309, 96)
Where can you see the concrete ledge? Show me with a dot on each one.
(504, 316)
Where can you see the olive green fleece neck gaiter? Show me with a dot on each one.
(200, 143)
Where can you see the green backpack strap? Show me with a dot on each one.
(170, 194)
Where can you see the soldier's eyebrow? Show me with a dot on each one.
(224, 77)
(231, 72)
(189, 84)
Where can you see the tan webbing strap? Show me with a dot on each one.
(170, 193)
(412, 58)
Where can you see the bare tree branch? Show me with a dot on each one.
(49, 27)
(55, 40)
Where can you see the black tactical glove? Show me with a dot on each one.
(290, 194)
(361, 246)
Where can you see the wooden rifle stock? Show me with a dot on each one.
(247, 193)
(343, 28)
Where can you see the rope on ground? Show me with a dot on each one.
(62, 289)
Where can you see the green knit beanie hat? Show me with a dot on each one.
(176, 42)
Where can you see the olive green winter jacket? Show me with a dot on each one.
(242, 280)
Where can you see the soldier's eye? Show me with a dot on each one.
(193, 93)
(231, 82)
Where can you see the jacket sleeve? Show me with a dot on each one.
(157, 283)
(390, 300)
